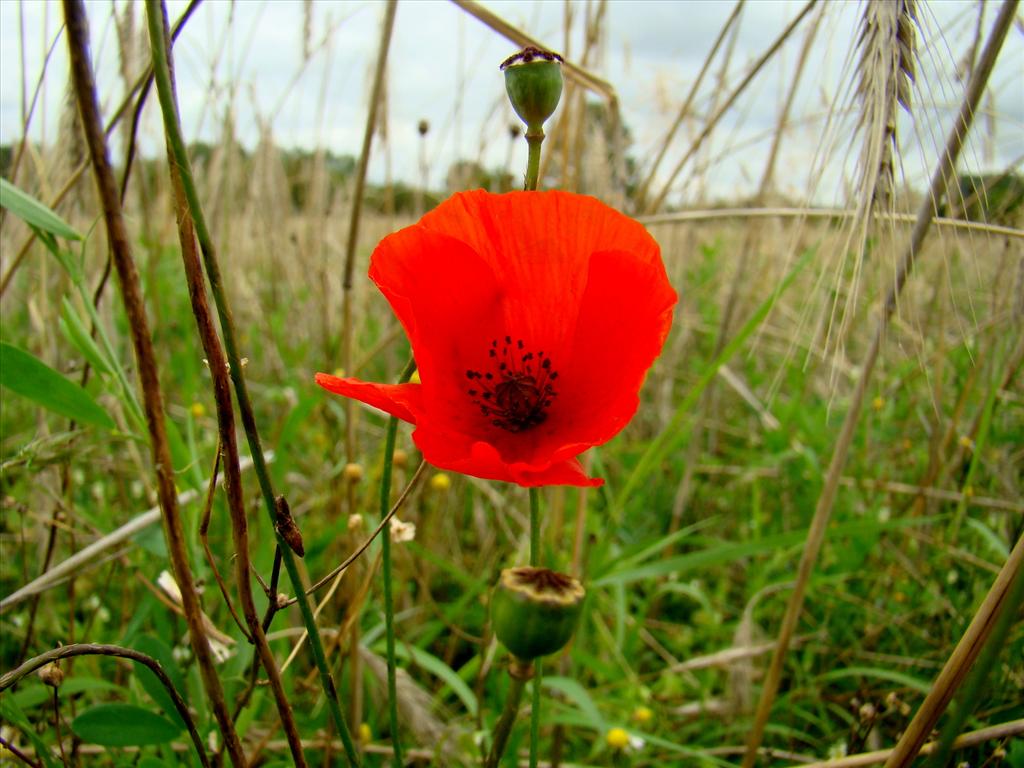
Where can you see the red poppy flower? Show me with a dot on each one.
(533, 318)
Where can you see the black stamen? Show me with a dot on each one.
(515, 396)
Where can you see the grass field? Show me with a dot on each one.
(827, 460)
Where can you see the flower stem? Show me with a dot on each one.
(385, 554)
(519, 675)
(535, 715)
(535, 562)
(534, 138)
(534, 528)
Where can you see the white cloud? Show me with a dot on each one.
(444, 67)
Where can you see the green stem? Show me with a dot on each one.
(534, 138)
(535, 715)
(535, 562)
(534, 527)
(385, 553)
(172, 127)
(508, 718)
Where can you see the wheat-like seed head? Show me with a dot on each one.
(887, 70)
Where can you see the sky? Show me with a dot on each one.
(247, 58)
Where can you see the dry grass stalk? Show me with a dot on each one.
(711, 214)
(971, 739)
(960, 661)
(940, 181)
(356, 209)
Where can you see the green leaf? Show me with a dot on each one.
(28, 376)
(900, 678)
(78, 334)
(33, 212)
(159, 650)
(123, 725)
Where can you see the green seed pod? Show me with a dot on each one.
(533, 79)
(535, 610)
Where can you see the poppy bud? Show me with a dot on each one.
(353, 472)
(535, 610)
(533, 79)
(51, 675)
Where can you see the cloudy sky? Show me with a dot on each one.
(247, 57)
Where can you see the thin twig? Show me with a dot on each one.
(823, 511)
(369, 540)
(204, 529)
(93, 649)
(18, 753)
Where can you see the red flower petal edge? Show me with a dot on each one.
(533, 318)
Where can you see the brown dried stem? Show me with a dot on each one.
(172, 128)
(961, 660)
(222, 396)
(131, 291)
(939, 184)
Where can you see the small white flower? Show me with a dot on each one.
(401, 532)
(220, 651)
(355, 522)
(167, 583)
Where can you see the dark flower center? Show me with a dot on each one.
(517, 390)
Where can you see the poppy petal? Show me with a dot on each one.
(538, 244)
(450, 304)
(462, 453)
(403, 401)
(623, 321)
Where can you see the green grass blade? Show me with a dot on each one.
(33, 212)
(30, 377)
